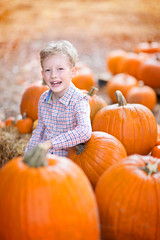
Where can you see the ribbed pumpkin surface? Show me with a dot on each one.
(50, 202)
(30, 99)
(129, 200)
(133, 124)
(101, 151)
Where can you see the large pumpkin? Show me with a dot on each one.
(133, 124)
(128, 196)
(97, 155)
(46, 198)
(30, 99)
(123, 82)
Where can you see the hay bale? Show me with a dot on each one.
(12, 143)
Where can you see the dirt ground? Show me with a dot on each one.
(94, 27)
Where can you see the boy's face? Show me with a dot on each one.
(57, 73)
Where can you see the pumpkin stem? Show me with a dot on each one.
(24, 115)
(150, 168)
(37, 156)
(120, 98)
(80, 148)
(92, 91)
(149, 41)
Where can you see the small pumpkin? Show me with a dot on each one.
(158, 133)
(131, 63)
(148, 47)
(46, 197)
(25, 125)
(35, 124)
(98, 154)
(10, 121)
(142, 94)
(133, 124)
(122, 82)
(30, 99)
(156, 151)
(114, 59)
(149, 72)
(96, 102)
(84, 78)
(128, 196)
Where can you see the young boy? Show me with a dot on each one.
(63, 110)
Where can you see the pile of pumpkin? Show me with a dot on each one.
(106, 188)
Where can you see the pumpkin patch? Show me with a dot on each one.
(98, 192)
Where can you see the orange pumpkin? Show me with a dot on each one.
(10, 121)
(84, 78)
(46, 197)
(156, 151)
(149, 73)
(158, 133)
(131, 63)
(97, 155)
(114, 59)
(122, 82)
(133, 124)
(30, 99)
(142, 94)
(148, 47)
(128, 196)
(25, 125)
(96, 102)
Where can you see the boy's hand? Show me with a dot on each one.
(48, 144)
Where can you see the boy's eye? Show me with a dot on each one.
(47, 70)
(60, 69)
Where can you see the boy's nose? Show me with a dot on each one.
(53, 73)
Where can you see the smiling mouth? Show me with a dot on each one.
(55, 83)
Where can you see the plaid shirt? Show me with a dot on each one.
(66, 121)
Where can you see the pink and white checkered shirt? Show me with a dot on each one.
(66, 121)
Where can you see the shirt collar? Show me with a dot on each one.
(49, 95)
(65, 98)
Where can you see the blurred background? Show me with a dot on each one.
(94, 27)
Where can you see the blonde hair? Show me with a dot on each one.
(61, 47)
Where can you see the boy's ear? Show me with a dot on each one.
(74, 71)
(42, 73)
